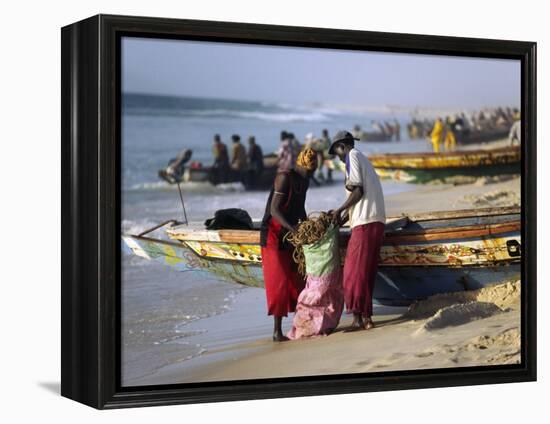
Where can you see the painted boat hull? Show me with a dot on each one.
(427, 167)
(208, 174)
(395, 285)
(411, 267)
(486, 136)
(445, 175)
(421, 168)
(264, 181)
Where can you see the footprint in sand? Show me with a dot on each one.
(506, 358)
(424, 354)
(397, 355)
(381, 366)
(362, 363)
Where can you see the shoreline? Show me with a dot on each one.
(424, 336)
(237, 343)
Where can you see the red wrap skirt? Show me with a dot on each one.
(360, 266)
(282, 281)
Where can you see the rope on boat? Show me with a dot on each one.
(308, 231)
(156, 227)
(183, 205)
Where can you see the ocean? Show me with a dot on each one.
(168, 316)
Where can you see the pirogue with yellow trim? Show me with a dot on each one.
(426, 167)
(422, 255)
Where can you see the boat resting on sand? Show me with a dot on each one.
(422, 254)
(443, 167)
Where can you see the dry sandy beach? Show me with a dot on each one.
(451, 330)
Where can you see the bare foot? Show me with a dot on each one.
(280, 338)
(369, 324)
(354, 327)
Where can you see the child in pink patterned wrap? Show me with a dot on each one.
(321, 302)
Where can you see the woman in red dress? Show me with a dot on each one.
(284, 210)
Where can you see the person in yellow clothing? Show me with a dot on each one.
(436, 135)
(238, 157)
(450, 139)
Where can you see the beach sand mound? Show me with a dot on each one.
(494, 198)
(458, 314)
(505, 295)
(459, 180)
(493, 179)
(502, 348)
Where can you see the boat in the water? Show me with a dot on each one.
(481, 136)
(422, 254)
(262, 181)
(374, 136)
(445, 166)
(200, 173)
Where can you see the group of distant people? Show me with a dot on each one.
(243, 163)
(248, 165)
(444, 131)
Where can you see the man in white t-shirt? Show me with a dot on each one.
(365, 210)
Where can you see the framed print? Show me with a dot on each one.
(254, 211)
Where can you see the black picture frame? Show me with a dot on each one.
(90, 139)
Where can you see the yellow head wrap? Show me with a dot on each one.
(307, 159)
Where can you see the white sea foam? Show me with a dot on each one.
(135, 227)
(192, 186)
(291, 114)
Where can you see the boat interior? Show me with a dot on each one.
(474, 222)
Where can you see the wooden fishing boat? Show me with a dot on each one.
(209, 174)
(372, 136)
(427, 167)
(484, 136)
(422, 254)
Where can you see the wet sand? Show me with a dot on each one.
(451, 330)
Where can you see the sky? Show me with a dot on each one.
(298, 75)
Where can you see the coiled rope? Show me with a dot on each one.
(308, 231)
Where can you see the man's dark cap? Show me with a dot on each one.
(235, 137)
(344, 137)
(217, 137)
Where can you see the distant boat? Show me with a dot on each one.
(481, 136)
(264, 181)
(422, 254)
(374, 136)
(427, 167)
(473, 136)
